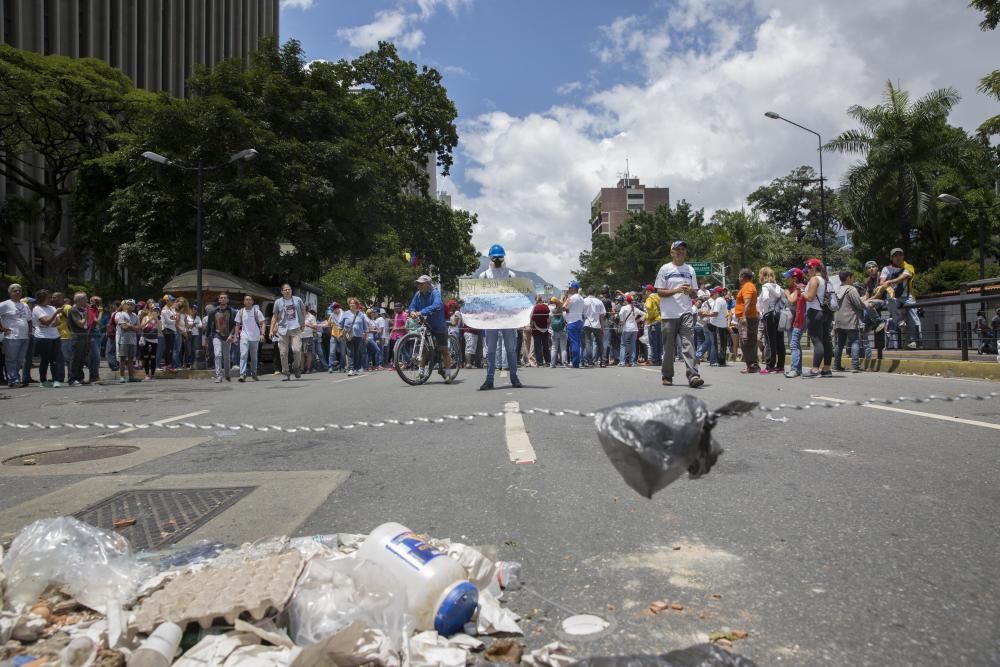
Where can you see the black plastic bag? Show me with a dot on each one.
(700, 655)
(652, 443)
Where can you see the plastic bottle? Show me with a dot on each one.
(508, 575)
(437, 591)
(159, 649)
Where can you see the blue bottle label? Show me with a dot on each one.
(412, 550)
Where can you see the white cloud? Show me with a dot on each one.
(297, 4)
(695, 123)
(569, 87)
(397, 25)
(454, 70)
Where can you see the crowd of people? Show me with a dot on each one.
(673, 319)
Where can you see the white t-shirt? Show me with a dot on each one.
(770, 295)
(627, 316)
(168, 316)
(593, 308)
(386, 327)
(493, 273)
(125, 337)
(14, 315)
(249, 321)
(672, 276)
(720, 313)
(309, 327)
(42, 331)
(574, 310)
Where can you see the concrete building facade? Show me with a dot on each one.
(156, 43)
(612, 206)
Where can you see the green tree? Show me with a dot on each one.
(991, 8)
(885, 196)
(791, 204)
(989, 84)
(56, 113)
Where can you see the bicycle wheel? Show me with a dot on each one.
(456, 350)
(406, 359)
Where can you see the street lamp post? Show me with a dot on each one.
(822, 185)
(246, 154)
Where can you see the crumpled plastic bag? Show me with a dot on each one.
(652, 443)
(429, 649)
(333, 594)
(92, 565)
(699, 655)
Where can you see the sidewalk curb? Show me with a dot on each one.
(950, 369)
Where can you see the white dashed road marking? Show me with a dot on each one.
(917, 413)
(518, 445)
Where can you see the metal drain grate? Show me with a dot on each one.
(69, 455)
(162, 516)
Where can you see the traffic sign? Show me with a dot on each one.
(701, 269)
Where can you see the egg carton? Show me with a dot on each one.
(228, 591)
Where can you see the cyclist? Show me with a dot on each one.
(427, 303)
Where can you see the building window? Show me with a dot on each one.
(635, 207)
(605, 218)
(635, 195)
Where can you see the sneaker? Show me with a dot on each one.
(764, 371)
(811, 374)
(298, 374)
(121, 380)
(912, 345)
(667, 382)
(713, 365)
(486, 385)
(134, 379)
(256, 379)
(792, 374)
(218, 380)
(515, 383)
(838, 369)
(229, 379)
(242, 378)
(74, 383)
(778, 370)
(56, 384)
(827, 374)
(350, 374)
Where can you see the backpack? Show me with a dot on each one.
(785, 315)
(558, 323)
(830, 303)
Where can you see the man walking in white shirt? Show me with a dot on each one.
(249, 322)
(286, 326)
(594, 317)
(676, 284)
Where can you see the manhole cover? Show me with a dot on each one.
(130, 399)
(69, 455)
(153, 518)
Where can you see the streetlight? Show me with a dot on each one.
(244, 155)
(952, 200)
(822, 187)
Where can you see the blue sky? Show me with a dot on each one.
(553, 95)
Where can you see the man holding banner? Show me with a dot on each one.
(499, 271)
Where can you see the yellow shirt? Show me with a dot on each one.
(64, 332)
(653, 308)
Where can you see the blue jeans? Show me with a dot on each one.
(848, 337)
(509, 339)
(574, 332)
(94, 360)
(908, 315)
(796, 346)
(374, 352)
(338, 354)
(627, 352)
(15, 354)
(558, 352)
(655, 344)
(110, 354)
(318, 354)
(710, 345)
(66, 346)
(248, 357)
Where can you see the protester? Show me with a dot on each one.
(168, 319)
(185, 325)
(653, 326)
(772, 302)
(249, 329)
(15, 320)
(373, 346)
(540, 317)
(126, 342)
(337, 358)
(559, 349)
(497, 270)
(795, 281)
(896, 277)
(355, 325)
(220, 330)
(817, 322)
(151, 328)
(306, 335)
(846, 321)
(593, 329)
(287, 322)
(718, 327)
(676, 283)
(629, 327)
(573, 308)
(79, 316)
(746, 316)
(95, 313)
(46, 335)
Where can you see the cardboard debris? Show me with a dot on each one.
(555, 654)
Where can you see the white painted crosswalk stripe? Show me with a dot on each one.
(518, 445)
(917, 413)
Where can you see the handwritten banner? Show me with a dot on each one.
(497, 304)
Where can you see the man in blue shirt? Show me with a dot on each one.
(427, 302)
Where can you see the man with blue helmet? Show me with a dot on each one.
(498, 270)
(573, 307)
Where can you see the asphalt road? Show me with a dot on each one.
(855, 535)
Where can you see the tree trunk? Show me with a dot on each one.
(57, 264)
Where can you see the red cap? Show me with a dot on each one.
(814, 264)
(628, 297)
(649, 288)
(718, 289)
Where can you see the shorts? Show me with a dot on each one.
(127, 350)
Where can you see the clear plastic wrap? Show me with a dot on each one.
(333, 594)
(652, 443)
(94, 566)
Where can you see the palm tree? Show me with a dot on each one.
(902, 143)
(743, 240)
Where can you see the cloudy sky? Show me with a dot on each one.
(554, 96)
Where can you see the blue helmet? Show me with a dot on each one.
(496, 250)
(574, 284)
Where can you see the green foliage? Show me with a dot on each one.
(991, 8)
(949, 274)
(791, 205)
(642, 245)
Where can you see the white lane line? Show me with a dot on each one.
(349, 379)
(160, 422)
(916, 413)
(518, 445)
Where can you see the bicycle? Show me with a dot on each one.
(419, 345)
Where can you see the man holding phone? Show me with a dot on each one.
(676, 284)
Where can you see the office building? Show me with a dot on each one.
(612, 206)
